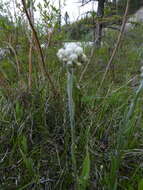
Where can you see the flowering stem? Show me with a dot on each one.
(70, 72)
(72, 56)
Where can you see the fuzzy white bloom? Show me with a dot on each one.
(69, 62)
(73, 57)
(78, 64)
(68, 51)
(72, 54)
(79, 51)
(84, 58)
(71, 46)
(61, 53)
(64, 59)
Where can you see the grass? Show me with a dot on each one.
(35, 138)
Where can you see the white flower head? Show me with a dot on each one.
(69, 63)
(84, 58)
(68, 51)
(71, 46)
(72, 53)
(61, 53)
(64, 59)
(60, 57)
(73, 57)
(78, 64)
(79, 51)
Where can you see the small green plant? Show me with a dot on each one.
(72, 56)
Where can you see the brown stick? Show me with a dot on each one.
(30, 67)
(31, 15)
(39, 47)
(117, 44)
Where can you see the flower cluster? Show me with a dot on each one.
(72, 54)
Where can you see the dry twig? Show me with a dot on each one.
(43, 66)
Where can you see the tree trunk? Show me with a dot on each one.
(60, 16)
(100, 14)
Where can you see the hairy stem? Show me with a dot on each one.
(72, 119)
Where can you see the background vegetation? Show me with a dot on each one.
(35, 150)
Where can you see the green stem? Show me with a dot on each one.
(70, 72)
